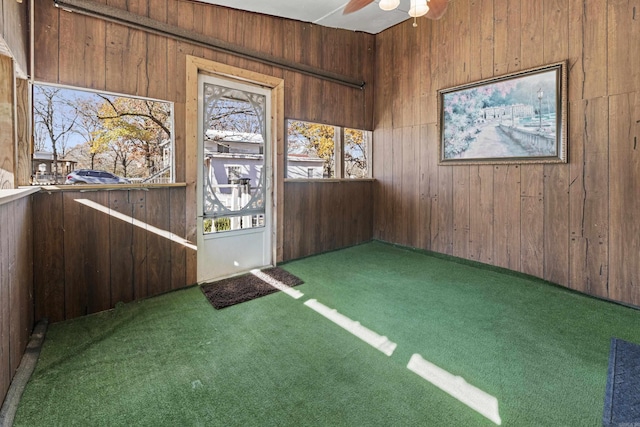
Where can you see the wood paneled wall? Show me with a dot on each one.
(16, 286)
(93, 249)
(324, 216)
(573, 224)
(80, 51)
(76, 50)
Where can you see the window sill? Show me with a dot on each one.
(107, 187)
(329, 180)
(7, 196)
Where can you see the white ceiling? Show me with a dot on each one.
(370, 19)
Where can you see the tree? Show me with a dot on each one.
(39, 137)
(56, 117)
(314, 138)
(89, 128)
(134, 130)
(355, 153)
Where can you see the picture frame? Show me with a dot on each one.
(515, 118)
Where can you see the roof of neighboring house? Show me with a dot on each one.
(231, 136)
(47, 156)
(297, 157)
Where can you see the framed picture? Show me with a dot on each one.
(516, 118)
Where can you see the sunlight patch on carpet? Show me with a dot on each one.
(375, 340)
(478, 400)
(293, 293)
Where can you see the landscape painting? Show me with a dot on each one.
(518, 118)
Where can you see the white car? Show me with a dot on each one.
(88, 176)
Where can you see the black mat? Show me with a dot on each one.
(234, 290)
(622, 396)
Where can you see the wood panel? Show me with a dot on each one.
(589, 220)
(15, 32)
(7, 143)
(556, 177)
(109, 51)
(428, 186)
(475, 39)
(22, 288)
(96, 248)
(97, 259)
(121, 247)
(179, 247)
(112, 57)
(23, 127)
(48, 257)
(158, 246)
(16, 281)
(624, 176)
(142, 242)
(506, 216)
(70, 60)
(324, 216)
(623, 37)
(5, 303)
(531, 175)
(568, 223)
(481, 223)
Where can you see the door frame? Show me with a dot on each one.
(196, 66)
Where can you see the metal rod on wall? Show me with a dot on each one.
(123, 17)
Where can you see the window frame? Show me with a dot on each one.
(338, 154)
(171, 104)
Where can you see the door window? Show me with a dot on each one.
(234, 154)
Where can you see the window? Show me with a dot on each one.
(123, 136)
(233, 174)
(316, 151)
(356, 149)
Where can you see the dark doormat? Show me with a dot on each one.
(622, 396)
(234, 290)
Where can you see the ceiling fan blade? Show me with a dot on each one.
(437, 8)
(355, 5)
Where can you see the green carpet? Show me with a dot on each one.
(173, 360)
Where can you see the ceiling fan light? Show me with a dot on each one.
(389, 4)
(418, 8)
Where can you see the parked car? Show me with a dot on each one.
(88, 176)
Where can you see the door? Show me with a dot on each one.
(234, 178)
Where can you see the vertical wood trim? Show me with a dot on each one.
(23, 127)
(7, 123)
(556, 176)
(158, 247)
(177, 208)
(507, 215)
(624, 175)
(120, 248)
(74, 250)
(48, 263)
(277, 109)
(97, 271)
(5, 302)
(144, 244)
